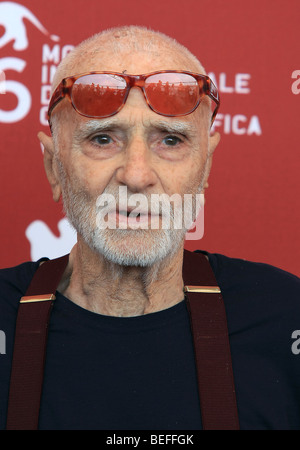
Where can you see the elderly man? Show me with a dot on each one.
(122, 349)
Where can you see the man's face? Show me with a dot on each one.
(137, 150)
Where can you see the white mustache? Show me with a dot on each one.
(134, 204)
(175, 212)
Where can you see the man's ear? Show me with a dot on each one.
(49, 164)
(214, 139)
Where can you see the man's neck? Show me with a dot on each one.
(100, 286)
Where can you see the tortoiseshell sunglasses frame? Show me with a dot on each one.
(207, 87)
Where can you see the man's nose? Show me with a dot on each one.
(137, 172)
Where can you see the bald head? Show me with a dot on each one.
(129, 49)
(111, 45)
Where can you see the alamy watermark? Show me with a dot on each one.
(153, 211)
(2, 343)
(2, 82)
(296, 344)
(296, 84)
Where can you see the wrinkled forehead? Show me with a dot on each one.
(127, 56)
(130, 51)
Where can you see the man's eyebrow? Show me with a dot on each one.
(97, 126)
(93, 126)
(174, 126)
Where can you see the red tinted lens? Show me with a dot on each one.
(98, 95)
(172, 93)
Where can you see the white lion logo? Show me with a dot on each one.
(11, 18)
(44, 243)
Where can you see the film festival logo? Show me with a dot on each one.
(12, 17)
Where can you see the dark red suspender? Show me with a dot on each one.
(30, 346)
(209, 327)
(211, 344)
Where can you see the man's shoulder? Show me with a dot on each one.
(256, 288)
(14, 281)
(234, 271)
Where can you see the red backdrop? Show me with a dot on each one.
(251, 49)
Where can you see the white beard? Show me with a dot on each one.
(124, 247)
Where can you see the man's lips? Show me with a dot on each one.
(127, 217)
(133, 216)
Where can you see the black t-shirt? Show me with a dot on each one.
(138, 373)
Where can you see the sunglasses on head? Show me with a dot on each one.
(168, 92)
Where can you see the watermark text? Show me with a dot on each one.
(296, 84)
(296, 344)
(154, 211)
(2, 343)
